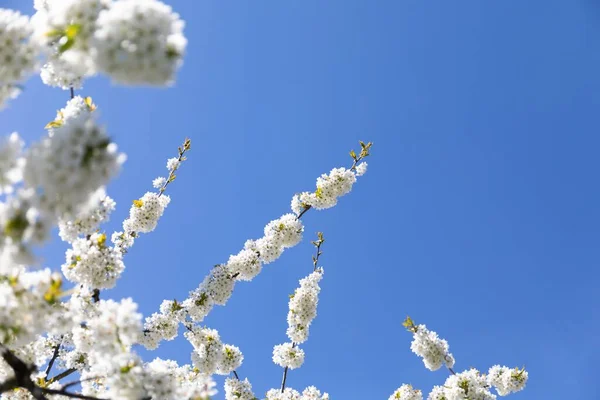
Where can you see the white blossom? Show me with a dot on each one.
(159, 182)
(285, 231)
(71, 164)
(112, 332)
(507, 380)
(312, 393)
(91, 262)
(11, 162)
(467, 385)
(207, 352)
(433, 350)
(361, 169)
(173, 164)
(288, 394)
(288, 355)
(406, 392)
(238, 390)
(303, 307)
(87, 221)
(245, 265)
(27, 305)
(17, 52)
(231, 359)
(145, 213)
(139, 42)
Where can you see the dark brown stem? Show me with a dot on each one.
(62, 375)
(72, 92)
(54, 357)
(62, 392)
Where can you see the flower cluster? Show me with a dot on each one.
(64, 28)
(162, 325)
(145, 213)
(303, 307)
(135, 42)
(467, 385)
(427, 344)
(210, 355)
(507, 380)
(288, 355)
(96, 212)
(11, 162)
(236, 389)
(139, 42)
(92, 263)
(164, 379)
(310, 393)
(17, 51)
(72, 162)
(22, 222)
(27, 305)
(329, 188)
(406, 392)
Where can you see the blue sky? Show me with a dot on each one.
(479, 214)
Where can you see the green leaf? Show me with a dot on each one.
(66, 45)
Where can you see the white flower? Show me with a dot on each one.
(64, 28)
(26, 305)
(113, 331)
(11, 162)
(159, 182)
(139, 42)
(198, 304)
(361, 169)
(89, 218)
(238, 390)
(173, 164)
(219, 284)
(245, 265)
(285, 231)
(63, 72)
(507, 380)
(406, 392)
(71, 164)
(17, 53)
(207, 349)
(303, 307)
(288, 355)
(92, 263)
(145, 213)
(288, 394)
(158, 327)
(435, 351)
(231, 359)
(312, 393)
(468, 385)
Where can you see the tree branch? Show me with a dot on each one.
(54, 357)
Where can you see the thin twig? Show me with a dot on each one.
(54, 356)
(68, 394)
(72, 92)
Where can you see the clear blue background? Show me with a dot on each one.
(479, 215)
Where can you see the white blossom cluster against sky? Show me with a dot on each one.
(478, 216)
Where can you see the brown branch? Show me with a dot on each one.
(62, 392)
(53, 359)
(62, 375)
